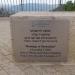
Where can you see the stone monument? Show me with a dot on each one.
(40, 37)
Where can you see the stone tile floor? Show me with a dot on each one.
(9, 67)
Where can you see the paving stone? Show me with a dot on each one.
(2, 72)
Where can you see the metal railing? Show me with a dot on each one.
(12, 6)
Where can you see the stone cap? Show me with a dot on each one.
(59, 14)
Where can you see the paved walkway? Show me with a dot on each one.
(9, 67)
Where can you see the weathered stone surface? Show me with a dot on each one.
(40, 36)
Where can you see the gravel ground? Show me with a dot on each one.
(9, 67)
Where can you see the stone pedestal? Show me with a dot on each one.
(41, 37)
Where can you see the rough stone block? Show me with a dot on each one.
(40, 36)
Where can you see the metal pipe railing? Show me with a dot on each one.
(12, 6)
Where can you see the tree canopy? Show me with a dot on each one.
(69, 6)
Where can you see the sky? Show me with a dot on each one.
(14, 2)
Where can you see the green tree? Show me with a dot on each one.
(69, 6)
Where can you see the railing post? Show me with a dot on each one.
(60, 3)
(21, 5)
